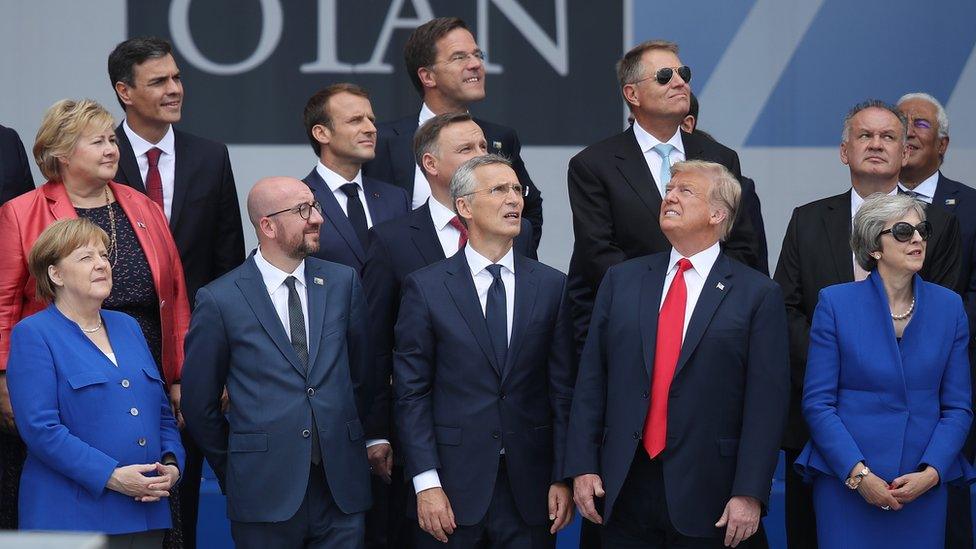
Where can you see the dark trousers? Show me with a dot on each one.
(801, 522)
(318, 523)
(387, 523)
(959, 518)
(13, 452)
(502, 527)
(189, 490)
(641, 519)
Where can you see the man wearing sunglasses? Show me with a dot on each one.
(928, 141)
(287, 334)
(816, 253)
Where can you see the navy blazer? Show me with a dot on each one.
(261, 451)
(395, 161)
(205, 216)
(457, 408)
(728, 400)
(81, 417)
(397, 248)
(960, 200)
(896, 407)
(15, 175)
(337, 239)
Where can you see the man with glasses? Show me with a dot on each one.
(447, 68)
(817, 253)
(483, 376)
(339, 124)
(928, 141)
(287, 334)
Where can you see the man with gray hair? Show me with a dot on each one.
(483, 377)
(682, 391)
(816, 253)
(928, 141)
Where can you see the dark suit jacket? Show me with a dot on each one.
(337, 239)
(728, 400)
(616, 205)
(457, 408)
(205, 217)
(15, 174)
(395, 162)
(397, 248)
(261, 450)
(816, 253)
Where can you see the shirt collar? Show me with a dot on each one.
(646, 141)
(856, 200)
(273, 276)
(334, 180)
(439, 213)
(701, 262)
(425, 115)
(926, 188)
(140, 145)
(478, 262)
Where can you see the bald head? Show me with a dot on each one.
(273, 194)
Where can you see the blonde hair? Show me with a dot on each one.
(57, 242)
(61, 127)
(725, 192)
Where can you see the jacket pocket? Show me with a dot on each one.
(85, 379)
(248, 442)
(152, 373)
(448, 436)
(355, 429)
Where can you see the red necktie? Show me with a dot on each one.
(463, 239)
(670, 325)
(154, 182)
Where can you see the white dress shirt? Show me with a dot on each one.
(647, 142)
(421, 188)
(335, 182)
(166, 165)
(448, 236)
(274, 281)
(925, 191)
(482, 281)
(701, 265)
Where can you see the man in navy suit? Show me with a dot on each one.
(447, 68)
(928, 141)
(483, 376)
(339, 123)
(683, 384)
(287, 335)
(397, 248)
(15, 174)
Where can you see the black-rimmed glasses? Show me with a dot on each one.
(903, 231)
(304, 210)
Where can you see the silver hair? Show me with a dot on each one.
(873, 104)
(725, 191)
(465, 183)
(877, 211)
(940, 113)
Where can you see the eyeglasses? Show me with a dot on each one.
(664, 75)
(463, 57)
(502, 190)
(304, 210)
(903, 231)
(921, 123)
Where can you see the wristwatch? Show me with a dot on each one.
(854, 480)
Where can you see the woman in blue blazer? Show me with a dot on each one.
(103, 448)
(887, 391)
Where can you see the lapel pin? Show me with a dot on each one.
(376, 195)
(141, 224)
(720, 286)
(950, 202)
(318, 280)
(497, 144)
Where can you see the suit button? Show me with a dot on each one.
(306, 433)
(645, 394)
(636, 435)
(142, 441)
(310, 391)
(502, 396)
(134, 411)
(125, 383)
(496, 435)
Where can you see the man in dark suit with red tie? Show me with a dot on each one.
(682, 391)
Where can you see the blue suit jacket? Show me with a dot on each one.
(338, 241)
(81, 417)
(261, 451)
(867, 398)
(728, 399)
(456, 407)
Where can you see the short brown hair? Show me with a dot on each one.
(316, 113)
(630, 69)
(57, 242)
(421, 48)
(62, 126)
(425, 140)
(725, 191)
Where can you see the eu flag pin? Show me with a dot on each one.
(950, 202)
(318, 281)
(720, 286)
(497, 145)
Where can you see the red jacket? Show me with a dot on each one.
(24, 218)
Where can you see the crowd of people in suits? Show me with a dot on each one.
(393, 367)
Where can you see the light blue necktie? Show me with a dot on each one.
(664, 151)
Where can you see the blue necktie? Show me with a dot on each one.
(496, 315)
(664, 151)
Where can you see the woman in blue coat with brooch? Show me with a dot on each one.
(887, 391)
(103, 448)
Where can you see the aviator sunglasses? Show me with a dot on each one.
(664, 75)
(903, 231)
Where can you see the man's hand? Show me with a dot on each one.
(585, 488)
(224, 401)
(560, 506)
(434, 513)
(740, 519)
(381, 460)
(174, 399)
(907, 488)
(7, 424)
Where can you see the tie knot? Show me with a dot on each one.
(683, 265)
(496, 271)
(351, 190)
(153, 156)
(663, 150)
(290, 282)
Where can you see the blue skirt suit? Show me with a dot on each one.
(81, 417)
(896, 406)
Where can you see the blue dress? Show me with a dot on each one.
(81, 417)
(896, 407)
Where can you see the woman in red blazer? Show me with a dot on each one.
(75, 149)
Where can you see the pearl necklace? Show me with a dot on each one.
(906, 314)
(92, 330)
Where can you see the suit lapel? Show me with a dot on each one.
(375, 202)
(255, 293)
(317, 298)
(633, 167)
(837, 227)
(526, 290)
(128, 166)
(651, 290)
(946, 195)
(334, 214)
(717, 286)
(461, 287)
(181, 177)
(424, 235)
(879, 318)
